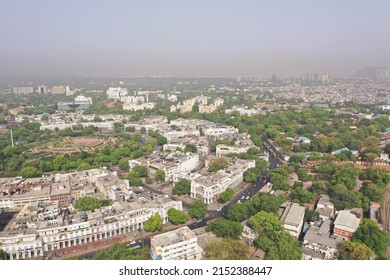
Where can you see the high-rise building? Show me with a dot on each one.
(22, 90)
(42, 89)
(116, 93)
(376, 73)
(58, 90)
(316, 77)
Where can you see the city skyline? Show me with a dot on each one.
(235, 38)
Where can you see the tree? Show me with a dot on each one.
(124, 163)
(29, 172)
(273, 239)
(264, 202)
(190, 148)
(182, 187)
(227, 249)
(197, 209)
(142, 170)
(218, 163)
(159, 175)
(119, 252)
(373, 192)
(226, 195)
(371, 235)
(348, 250)
(135, 182)
(2, 254)
(250, 175)
(226, 229)
(177, 217)
(89, 203)
(154, 223)
(237, 212)
(300, 195)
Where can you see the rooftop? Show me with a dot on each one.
(293, 214)
(173, 237)
(346, 219)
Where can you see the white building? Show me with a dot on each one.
(325, 207)
(82, 98)
(208, 186)
(171, 164)
(116, 93)
(138, 107)
(21, 240)
(346, 224)
(180, 244)
(219, 131)
(292, 218)
(22, 90)
(320, 241)
(240, 146)
(133, 99)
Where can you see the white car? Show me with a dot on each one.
(242, 197)
(247, 197)
(239, 201)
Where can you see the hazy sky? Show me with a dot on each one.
(198, 37)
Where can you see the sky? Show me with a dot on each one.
(192, 38)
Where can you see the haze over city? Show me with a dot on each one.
(198, 38)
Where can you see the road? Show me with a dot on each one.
(386, 215)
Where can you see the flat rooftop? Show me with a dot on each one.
(293, 214)
(173, 237)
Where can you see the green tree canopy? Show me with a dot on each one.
(226, 195)
(250, 175)
(120, 252)
(237, 212)
(348, 250)
(159, 175)
(227, 249)
(273, 239)
(177, 217)
(90, 203)
(142, 170)
(182, 187)
(154, 223)
(371, 235)
(190, 148)
(197, 209)
(29, 172)
(226, 229)
(218, 163)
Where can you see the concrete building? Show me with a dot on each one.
(116, 93)
(325, 207)
(292, 218)
(320, 241)
(346, 224)
(58, 90)
(171, 164)
(42, 89)
(220, 131)
(208, 186)
(138, 107)
(180, 244)
(22, 90)
(133, 99)
(240, 146)
(80, 103)
(33, 233)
